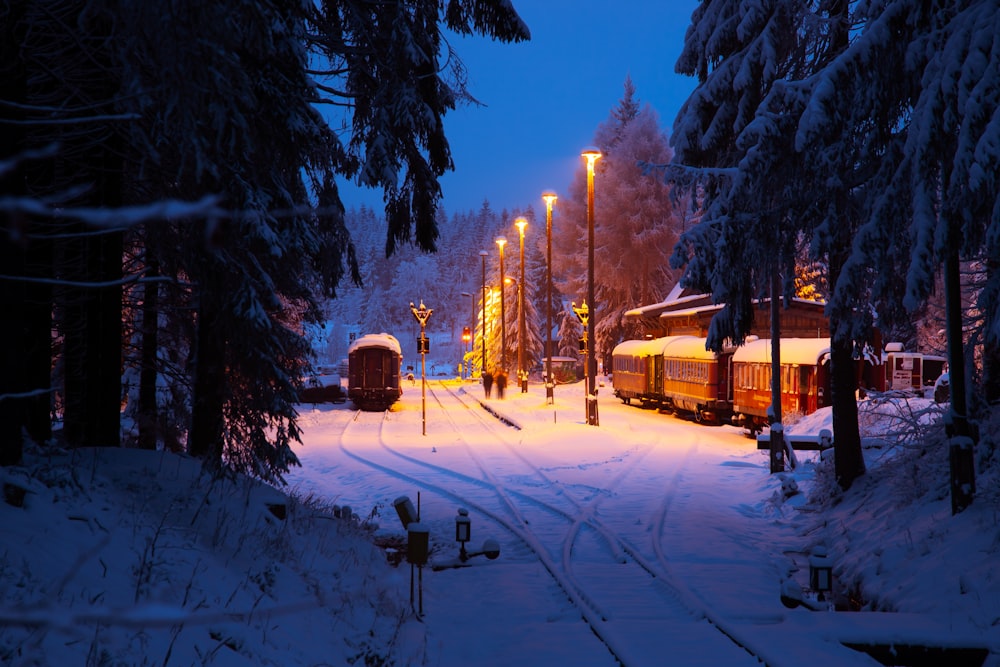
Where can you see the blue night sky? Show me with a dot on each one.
(545, 98)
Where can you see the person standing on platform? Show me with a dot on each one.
(501, 381)
(488, 383)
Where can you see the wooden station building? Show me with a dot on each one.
(685, 313)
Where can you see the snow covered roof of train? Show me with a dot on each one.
(376, 340)
(645, 347)
(689, 347)
(802, 351)
(631, 347)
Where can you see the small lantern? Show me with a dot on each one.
(463, 531)
(820, 571)
(405, 510)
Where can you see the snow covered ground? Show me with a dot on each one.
(643, 541)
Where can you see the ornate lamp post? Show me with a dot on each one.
(591, 155)
(502, 241)
(522, 372)
(550, 199)
(483, 254)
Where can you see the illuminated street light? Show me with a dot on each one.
(591, 155)
(522, 372)
(502, 241)
(550, 200)
(483, 368)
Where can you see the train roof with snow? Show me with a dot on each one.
(382, 340)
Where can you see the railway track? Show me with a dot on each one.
(552, 523)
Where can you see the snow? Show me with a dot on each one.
(801, 351)
(646, 540)
(376, 340)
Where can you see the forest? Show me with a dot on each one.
(637, 220)
(171, 224)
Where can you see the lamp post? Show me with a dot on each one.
(591, 155)
(472, 329)
(483, 367)
(522, 372)
(502, 241)
(550, 199)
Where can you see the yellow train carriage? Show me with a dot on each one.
(696, 380)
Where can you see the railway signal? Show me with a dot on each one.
(422, 314)
(583, 314)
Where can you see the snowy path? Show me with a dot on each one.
(603, 541)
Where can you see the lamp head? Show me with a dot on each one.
(521, 223)
(549, 198)
(501, 241)
(591, 154)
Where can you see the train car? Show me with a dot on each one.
(805, 379)
(696, 380)
(373, 371)
(636, 370)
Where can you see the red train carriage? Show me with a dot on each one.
(373, 371)
(805, 379)
(696, 380)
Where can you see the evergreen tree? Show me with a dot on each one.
(636, 223)
(219, 102)
(385, 59)
(763, 192)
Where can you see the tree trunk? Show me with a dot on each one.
(208, 395)
(849, 461)
(12, 298)
(961, 435)
(991, 352)
(104, 344)
(93, 322)
(148, 411)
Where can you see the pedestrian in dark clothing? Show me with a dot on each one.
(501, 381)
(488, 383)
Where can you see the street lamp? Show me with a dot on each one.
(522, 372)
(483, 254)
(502, 241)
(472, 329)
(591, 155)
(550, 199)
